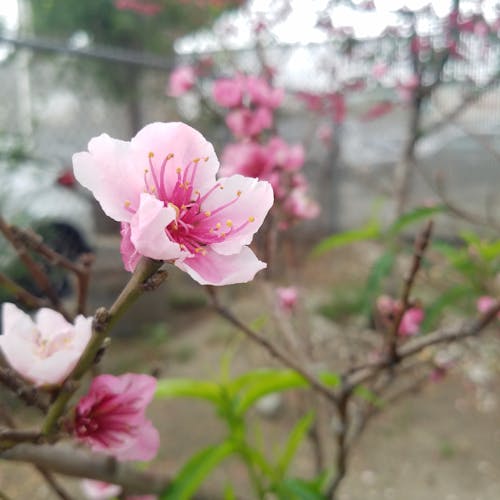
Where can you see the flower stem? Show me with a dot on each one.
(104, 320)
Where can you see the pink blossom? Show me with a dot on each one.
(377, 110)
(110, 418)
(485, 303)
(287, 298)
(246, 158)
(161, 186)
(245, 122)
(98, 490)
(338, 107)
(288, 157)
(410, 322)
(298, 205)
(406, 88)
(182, 79)
(228, 92)
(262, 94)
(46, 350)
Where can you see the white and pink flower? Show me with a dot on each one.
(162, 187)
(46, 350)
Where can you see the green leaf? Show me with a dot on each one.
(252, 386)
(293, 442)
(188, 388)
(194, 472)
(229, 493)
(298, 489)
(448, 298)
(369, 231)
(415, 215)
(365, 393)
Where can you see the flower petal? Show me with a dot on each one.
(144, 447)
(113, 173)
(247, 213)
(185, 143)
(147, 229)
(215, 269)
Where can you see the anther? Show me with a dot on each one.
(208, 213)
(251, 219)
(238, 193)
(229, 223)
(151, 154)
(178, 170)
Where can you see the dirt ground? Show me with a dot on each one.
(440, 444)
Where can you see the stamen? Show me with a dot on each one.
(208, 213)
(251, 219)
(229, 223)
(238, 193)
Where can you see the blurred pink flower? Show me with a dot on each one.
(245, 122)
(111, 417)
(161, 186)
(485, 303)
(300, 206)
(379, 69)
(98, 490)
(410, 323)
(246, 158)
(287, 298)
(262, 94)
(182, 79)
(377, 110)
(228, 92)
(46, 350)
(140, 7)
(407, 87)
(286, 156)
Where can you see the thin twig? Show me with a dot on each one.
(21, 294)
(272, 349)
(80, 269)
(421, 244)
(26, 393)
(37, 273)
(142, 279)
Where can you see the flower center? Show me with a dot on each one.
(193, 228)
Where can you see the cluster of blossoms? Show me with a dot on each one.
(251, 102)
(161, 186)
(388, 310)
(110, 418)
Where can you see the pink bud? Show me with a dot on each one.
(287, 298)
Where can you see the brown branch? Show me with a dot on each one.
(272, 349)
(469, 99)
(75, 462)
(421, 244)
(26, 393)
(21, 294)
(37, 273)
(13, 436)
(143, 279)
(80, 269)
(417, 345)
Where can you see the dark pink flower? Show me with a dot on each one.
(111, 417)
(182, 79)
